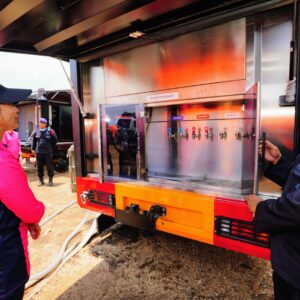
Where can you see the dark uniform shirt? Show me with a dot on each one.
(44, 141)
(281, 218)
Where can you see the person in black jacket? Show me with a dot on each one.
(281, 219)
(44, 140)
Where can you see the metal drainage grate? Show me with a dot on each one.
(101, 198)
(241, 231)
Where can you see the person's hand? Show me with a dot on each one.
(34, 230)
(33, 151)
(252, 202)
(272, 152)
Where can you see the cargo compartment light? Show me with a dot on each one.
(136, 34)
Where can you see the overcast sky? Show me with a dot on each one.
(32, 72)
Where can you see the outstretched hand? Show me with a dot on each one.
(252, 201)
(272, 152)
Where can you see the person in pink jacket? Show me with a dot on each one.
(20, 211)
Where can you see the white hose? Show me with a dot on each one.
(92, 231)
(69, 254)
(36, 277)
(50, 217)
(79, 245)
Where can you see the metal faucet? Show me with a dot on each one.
(186, 135)
(196, 135)
(170, 135)
(209, 133)
(223, 134)
(246, 135)
(239, 134)
(183, 135)
(252, 134)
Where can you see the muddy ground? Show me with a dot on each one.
(125, 263)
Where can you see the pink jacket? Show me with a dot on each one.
(12, 142)
(18, 207)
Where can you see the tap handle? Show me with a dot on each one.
(263, 157)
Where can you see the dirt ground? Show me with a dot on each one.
(125, 263)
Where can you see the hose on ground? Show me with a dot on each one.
(38, 276)
(50, 217)
(70, 253)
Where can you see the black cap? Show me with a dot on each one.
(12, 95)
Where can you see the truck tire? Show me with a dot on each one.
(60, 165)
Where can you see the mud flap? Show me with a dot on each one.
(104, 222)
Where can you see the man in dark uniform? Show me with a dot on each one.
(281, 218)
(44, 140)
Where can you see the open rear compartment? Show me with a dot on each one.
(173, 144)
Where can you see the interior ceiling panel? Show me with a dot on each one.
(89, 21)
(3, 3)
(80, 28)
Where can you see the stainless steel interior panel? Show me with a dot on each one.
(195, 58)
(157, 150)
(201, 144)
(92, 94)
(211, 92)
(276, 121)
(276, 36)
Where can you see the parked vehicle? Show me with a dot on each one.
(177, 103)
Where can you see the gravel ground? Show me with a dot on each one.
(162, 266)
(126, 263)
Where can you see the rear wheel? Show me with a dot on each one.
(60, 165)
